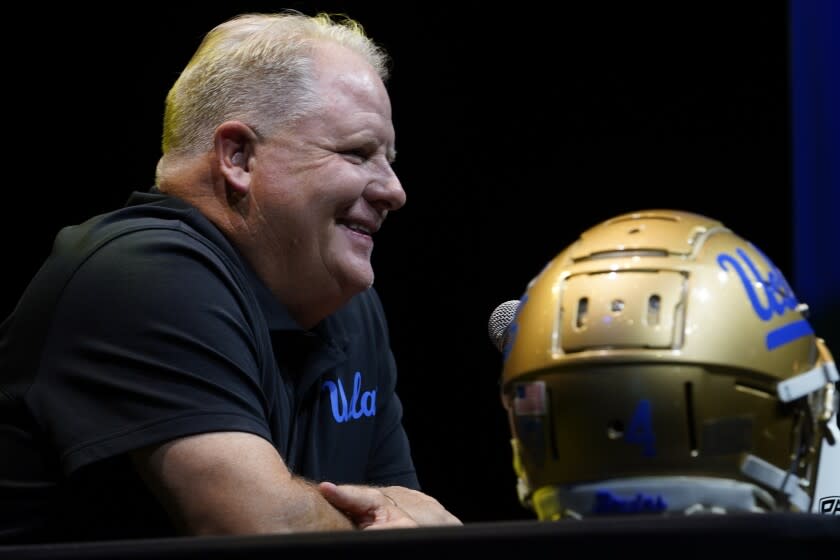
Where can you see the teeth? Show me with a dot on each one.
(359, 228)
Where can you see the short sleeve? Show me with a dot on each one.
(151, 340)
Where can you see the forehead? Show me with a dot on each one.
(343, 78)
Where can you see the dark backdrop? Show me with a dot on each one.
(517, 128)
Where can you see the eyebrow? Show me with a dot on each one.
(390, 151)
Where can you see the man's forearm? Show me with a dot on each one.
(228, 483)
(295, 507)
(308, 510)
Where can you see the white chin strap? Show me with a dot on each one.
(807, 382)
(774, 477)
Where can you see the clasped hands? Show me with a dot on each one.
(388, 507)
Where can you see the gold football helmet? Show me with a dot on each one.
(662, 364)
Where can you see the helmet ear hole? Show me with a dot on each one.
(653, 309)
(676, 367)
(615, 429)
(582, 309)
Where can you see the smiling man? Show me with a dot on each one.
(212, 358)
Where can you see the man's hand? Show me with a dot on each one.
(423, 508)
(366, 506)
(388, 507)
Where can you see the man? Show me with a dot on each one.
(212, 358)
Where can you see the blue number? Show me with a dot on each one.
(640, 430)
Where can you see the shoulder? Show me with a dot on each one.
(138, 259)
(154, 228)
(155, 241)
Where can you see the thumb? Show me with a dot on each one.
(353, 500)
(367, 507)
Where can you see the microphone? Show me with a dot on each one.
(500, 320)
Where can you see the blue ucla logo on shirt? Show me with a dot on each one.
(769, 295)
(360, 404)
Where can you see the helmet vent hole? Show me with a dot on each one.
(617, 305)
(615, 429)
(691, 422)
(582, 311)
(653, 308)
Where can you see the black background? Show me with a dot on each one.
(518, 126)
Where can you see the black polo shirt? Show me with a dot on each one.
(146, 325)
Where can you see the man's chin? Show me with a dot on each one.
(357, 281)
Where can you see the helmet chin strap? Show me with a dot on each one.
(772, 476)
(825, 372)
(822, 377)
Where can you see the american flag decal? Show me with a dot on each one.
(529, 398)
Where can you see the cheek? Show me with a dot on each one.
(347, 180)
(301, 201)
(273, 190)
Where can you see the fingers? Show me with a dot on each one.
(366, 506)
(423, 508)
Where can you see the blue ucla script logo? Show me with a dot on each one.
(361, 404)
(777, 295)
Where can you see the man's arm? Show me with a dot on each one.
(233, 483)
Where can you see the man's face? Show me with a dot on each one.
(322, 189)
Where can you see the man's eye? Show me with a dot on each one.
(356, 155)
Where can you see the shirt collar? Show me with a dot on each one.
(277, 317)
(276, 314)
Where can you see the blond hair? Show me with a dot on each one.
(256, 68)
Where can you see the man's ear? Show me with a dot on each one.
(234, 145)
